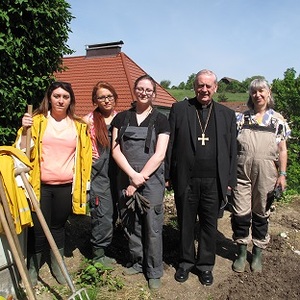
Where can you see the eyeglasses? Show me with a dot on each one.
(104, 98)
(148, 92)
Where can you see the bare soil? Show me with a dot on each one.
(279, 279)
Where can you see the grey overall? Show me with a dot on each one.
(145, 236)
(257, 175)
(101, 202)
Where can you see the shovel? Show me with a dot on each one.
(76, 294)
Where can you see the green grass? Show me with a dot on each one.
(235, 97)
(232, 97)
(181, 94)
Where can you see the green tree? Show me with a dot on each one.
(33, 36)
(287, 102)
(221, 87)
(222, 97)
(165, 84)
(181, 86)
(234, 87)
(246, 83)
(190, 82)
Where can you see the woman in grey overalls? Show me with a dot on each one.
(140, 140)
(262, 162)
(102, 201)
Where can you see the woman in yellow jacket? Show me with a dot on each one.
(61, 158)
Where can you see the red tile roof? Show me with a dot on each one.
(83, 72)
(236, 106)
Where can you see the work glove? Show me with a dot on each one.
(139, 201)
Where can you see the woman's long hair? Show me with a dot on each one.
(101, 133)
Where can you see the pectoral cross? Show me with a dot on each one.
(203, 139)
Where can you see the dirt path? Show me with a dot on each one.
(279, 279)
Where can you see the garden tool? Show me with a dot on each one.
(80, 294)
(13, 241)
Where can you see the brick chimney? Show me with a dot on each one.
(106, 49)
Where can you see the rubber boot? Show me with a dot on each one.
(256, 264)
(55, 267)
(99, 256)
(33, 265)
(154, 283)
(240, 263)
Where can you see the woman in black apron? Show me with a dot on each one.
(140, 140)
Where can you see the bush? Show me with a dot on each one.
(222, 97)
(287, 103)
(33, 39)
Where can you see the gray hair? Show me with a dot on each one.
(206, 72)
(258, 84)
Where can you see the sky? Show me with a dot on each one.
(172, 39)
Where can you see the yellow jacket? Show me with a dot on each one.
(83, 161)
(15, 194)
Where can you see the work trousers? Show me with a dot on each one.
(145, 241)
(101, 205)
(256, 179)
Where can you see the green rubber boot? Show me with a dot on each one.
(240, 263)
(55, 267)
(33, 265)
(99, 256)
(256, 265)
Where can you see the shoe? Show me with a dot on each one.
(55, 268)
(99, 256)
(154, 283)
(131, 271)
(181, 275)
(34, 264)
(240, 263)
(206, 277)
(256, 265)
(106, 261)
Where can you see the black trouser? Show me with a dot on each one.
(200, 198)
(56, 206)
